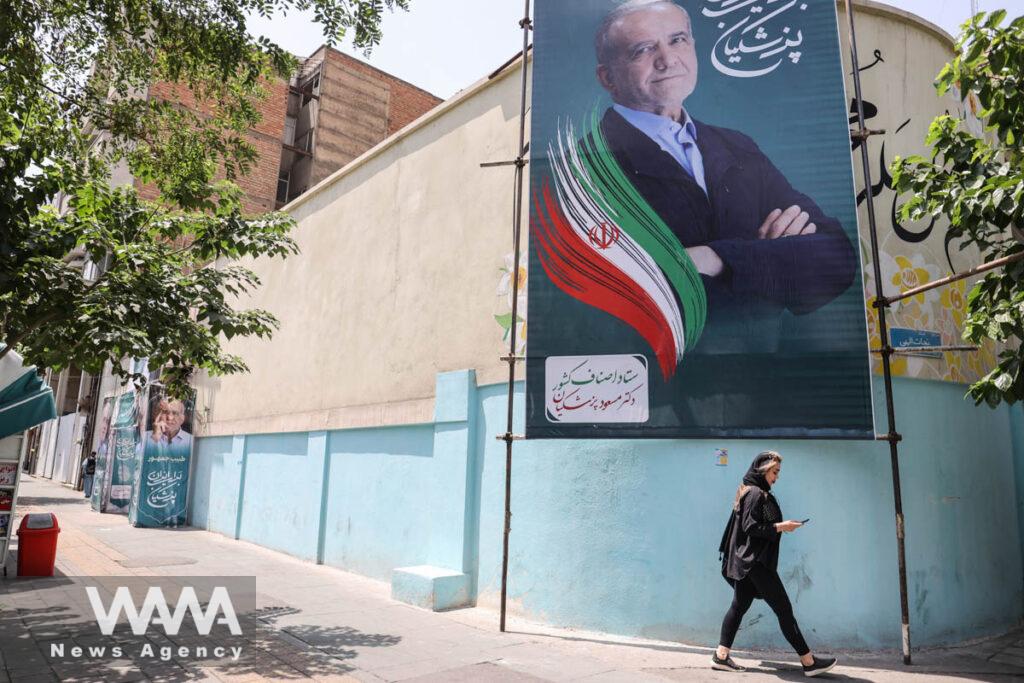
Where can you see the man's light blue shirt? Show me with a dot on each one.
(679, 140)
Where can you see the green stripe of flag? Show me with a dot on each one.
(619, 198)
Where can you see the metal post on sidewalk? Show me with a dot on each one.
(886, 350)
(517, 215)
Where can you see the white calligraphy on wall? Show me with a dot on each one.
(758, 36)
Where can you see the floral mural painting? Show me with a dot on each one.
(912, 255)
(939, 311)
(504, 294)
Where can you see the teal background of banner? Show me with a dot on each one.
(104, 456)
(798, 116)
(124, 435)
(144, 512)
(159, 497)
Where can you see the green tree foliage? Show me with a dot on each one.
(73, 110)
(978, 184)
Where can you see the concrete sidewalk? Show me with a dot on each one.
(304, 621)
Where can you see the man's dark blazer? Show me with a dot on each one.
(762, 277)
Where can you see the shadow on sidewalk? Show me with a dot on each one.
(12, 584)
(793, 672)
(45, 640)
(49, 501)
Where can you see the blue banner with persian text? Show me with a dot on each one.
(160, 496)
(123, 442)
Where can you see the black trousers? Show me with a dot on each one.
(767, 583)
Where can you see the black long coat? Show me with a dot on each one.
(750, 536)
(762, 277)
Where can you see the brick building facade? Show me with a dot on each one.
(260, 184)
(334, 109)
(338, 108)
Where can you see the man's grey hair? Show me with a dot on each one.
(602, 48)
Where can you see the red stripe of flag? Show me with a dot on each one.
(578, 271)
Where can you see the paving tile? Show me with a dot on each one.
(27, 662)
(434, 665)
(624, 677)
(33, 678)
(1011, 659)
(488, 672)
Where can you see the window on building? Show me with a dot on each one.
(283, 180)
(310, 88)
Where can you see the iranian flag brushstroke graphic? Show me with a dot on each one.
(602, 243)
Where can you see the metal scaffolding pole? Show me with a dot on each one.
(935, 284)
(512, 359)
(892, 436)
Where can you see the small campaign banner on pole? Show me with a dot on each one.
(159, 497)
(123, 446)
(104, 456)
(693, 224)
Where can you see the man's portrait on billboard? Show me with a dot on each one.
(655, 202)
(760, 245)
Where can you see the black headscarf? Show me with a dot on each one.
(754, 477)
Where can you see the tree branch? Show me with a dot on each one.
(11, 342)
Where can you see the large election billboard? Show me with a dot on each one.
(693, 224)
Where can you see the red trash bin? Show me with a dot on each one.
(37, 544)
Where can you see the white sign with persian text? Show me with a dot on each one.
(596, 388)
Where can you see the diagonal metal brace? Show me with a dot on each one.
(518, 162)
(864, 133)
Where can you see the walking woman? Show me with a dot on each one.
(750, 559)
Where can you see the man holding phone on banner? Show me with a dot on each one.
(760, 246)
(167, 434)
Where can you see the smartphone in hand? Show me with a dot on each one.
(804, 521)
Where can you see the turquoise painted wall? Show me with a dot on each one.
(378, 513)
(622, 536)
(214, 484)
(281, 494)
(1017, 435)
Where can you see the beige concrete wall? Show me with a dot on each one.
(401, 257)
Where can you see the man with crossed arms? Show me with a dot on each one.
(760, 246)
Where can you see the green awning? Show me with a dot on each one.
(25, 400)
